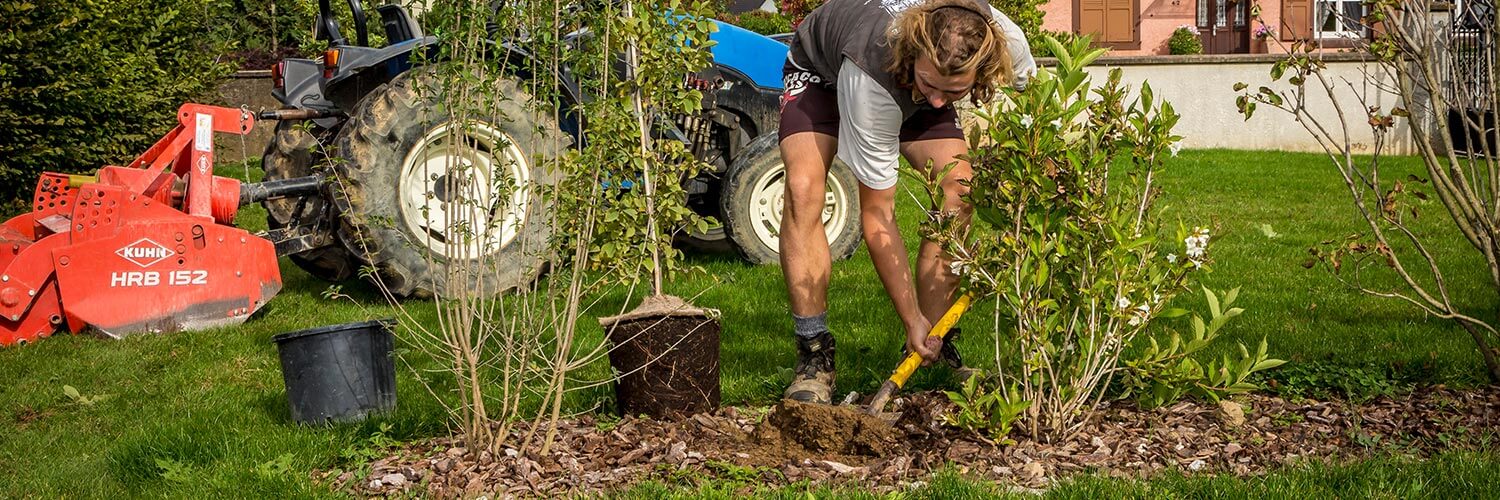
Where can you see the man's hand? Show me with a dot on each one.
(917, 341)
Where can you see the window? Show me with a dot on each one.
(1339, 19)
(1111, 22)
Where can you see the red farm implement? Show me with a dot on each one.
(148, 247)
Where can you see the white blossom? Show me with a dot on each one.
(958, 268)
(1122, 303)
(1139, 315)
(1056, 123)
(1175, 148)
(1026, 121)
(1171, 258)
(1197, 244)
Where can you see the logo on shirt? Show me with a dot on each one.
(795, 83)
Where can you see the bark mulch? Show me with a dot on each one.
(790, 443)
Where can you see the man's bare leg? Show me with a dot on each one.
(805, 259)
(935, 280)
(806, 262)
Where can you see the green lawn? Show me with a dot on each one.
(1450, 476)
(203, 414)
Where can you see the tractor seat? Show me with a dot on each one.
(399, 26)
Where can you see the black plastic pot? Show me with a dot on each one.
(338, 373)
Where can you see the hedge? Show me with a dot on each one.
(84, 83)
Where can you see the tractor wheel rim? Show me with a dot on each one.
(464, 190)
(766, 197)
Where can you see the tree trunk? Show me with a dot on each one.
(1491, 363)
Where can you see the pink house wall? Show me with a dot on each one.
(1158, 19)
(1270, 12)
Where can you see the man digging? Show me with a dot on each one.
(883, 76)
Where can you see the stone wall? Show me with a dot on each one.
(251, 89)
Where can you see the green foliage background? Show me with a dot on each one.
(90, 82)
(1028, 15)
(759, 21)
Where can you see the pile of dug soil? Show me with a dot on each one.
(794, 431)
(793, 442)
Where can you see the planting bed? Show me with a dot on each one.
(793, 442)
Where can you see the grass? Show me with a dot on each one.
(203, 414)
(1449, 476)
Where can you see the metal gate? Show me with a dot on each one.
(1470, 66)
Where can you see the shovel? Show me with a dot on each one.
(914, 360)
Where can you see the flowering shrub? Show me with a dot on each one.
(797, 9)
(1264, 31)
(1067, 248)
(1184, 41)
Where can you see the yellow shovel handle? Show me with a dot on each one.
(914, 360)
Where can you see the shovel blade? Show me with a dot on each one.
(882, 397)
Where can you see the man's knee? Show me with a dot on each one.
(804, 197)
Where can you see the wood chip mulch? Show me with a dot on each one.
(740, 444)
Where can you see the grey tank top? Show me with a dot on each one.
(856, 30)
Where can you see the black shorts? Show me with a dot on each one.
(811, 104)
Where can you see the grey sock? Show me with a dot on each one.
(810, 326)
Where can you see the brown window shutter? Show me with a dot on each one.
(1091, 19)
(1296, 19)
(1110, 21)
(1119, 21)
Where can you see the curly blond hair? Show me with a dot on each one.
(957, 38)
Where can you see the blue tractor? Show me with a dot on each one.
(391, 149)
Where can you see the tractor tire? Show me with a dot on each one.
(752, 198)
(715, 240)
(295, 152)
(410, 203)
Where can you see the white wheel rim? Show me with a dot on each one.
(766, 197)
(471, 179)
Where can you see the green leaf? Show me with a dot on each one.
(1213, 303)
(1173, 313)
(1243, 387)
(1268, 364)
(1064, 60)
(72, 393)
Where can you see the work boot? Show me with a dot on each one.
(813, 381)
